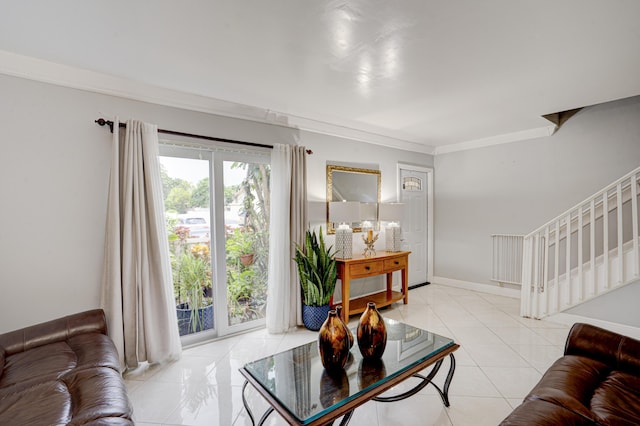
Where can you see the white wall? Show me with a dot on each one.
(515, 188)
(54, 169)
(619, 306)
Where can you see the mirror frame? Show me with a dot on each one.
(330, 170)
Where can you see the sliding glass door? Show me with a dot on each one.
(217, 208)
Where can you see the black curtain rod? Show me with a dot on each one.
(103, 122)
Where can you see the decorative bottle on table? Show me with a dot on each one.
(333, 342)
(344, 321)
(372, 333)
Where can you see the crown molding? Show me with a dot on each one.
(316, 126)
(538, 132)
(63, 75)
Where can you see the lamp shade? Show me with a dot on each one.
(391, 212)
(344, 211)
(368, 211)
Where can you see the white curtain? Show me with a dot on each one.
(137, 283)
(287, 226)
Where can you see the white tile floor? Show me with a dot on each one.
(501, 357)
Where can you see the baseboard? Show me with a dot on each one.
(570, 319)
(411, 287)
(483, 288)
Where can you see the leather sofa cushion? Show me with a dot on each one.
(585, 387)
(50, 362)
(41, 364)
(44, 404)
(543, 413)
(57, 330)
(617, 400)
(78, 398)
(571, 380)
(96, 393)
(618, 351)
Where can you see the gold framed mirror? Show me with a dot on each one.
(352, 184)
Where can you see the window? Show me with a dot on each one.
(411, 183)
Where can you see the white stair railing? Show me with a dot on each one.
(584, 252)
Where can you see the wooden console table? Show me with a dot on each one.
(384, 262)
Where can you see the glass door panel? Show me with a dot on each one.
(217, 208)
(186, 191)
(246, 230)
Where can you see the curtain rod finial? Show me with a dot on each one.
(102, 122)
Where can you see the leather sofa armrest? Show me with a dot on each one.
(603, 345)
(56, 330)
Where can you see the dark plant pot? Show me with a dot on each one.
(246, 259)
(314, 316)
(185, 324)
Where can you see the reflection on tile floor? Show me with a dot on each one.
(501, 357)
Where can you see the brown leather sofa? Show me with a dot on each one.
(62, 372)
(596, 382)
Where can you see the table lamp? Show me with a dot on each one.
(392, 213)
(368, 216)
(344, 213)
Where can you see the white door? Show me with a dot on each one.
(413, 193)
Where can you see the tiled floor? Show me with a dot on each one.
(501, 357)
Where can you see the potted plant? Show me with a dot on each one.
(192, 279)
(318, 273)
(241, 244)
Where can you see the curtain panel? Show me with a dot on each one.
(286, 228)
(137, 284)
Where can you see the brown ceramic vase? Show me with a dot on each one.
(344, 321)
(372, 333)
(333, 342)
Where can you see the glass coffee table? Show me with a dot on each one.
(297, 386)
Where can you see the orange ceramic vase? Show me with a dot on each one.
(372, 333)
(333, 342)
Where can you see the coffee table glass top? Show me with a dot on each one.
(297, 379)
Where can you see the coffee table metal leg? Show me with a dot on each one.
(344, 422)
(346, 418)
(444, 392)
(246, 407)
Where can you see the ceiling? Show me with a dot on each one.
(425, 74)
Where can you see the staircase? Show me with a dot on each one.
(589, 250)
